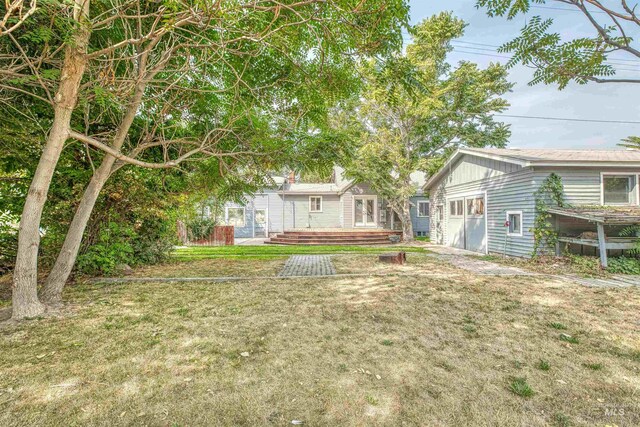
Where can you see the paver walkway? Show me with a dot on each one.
(485, 268)
(308, 265)
(614, 281)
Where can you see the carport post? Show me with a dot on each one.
(602, 244)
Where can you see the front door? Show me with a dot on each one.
(364, 212)
(439, 214)
(261, 223)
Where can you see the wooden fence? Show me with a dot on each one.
(222, 235)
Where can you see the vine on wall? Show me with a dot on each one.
(550, 194)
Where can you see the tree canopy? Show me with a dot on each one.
(245, 85)
(417, 108)
(561, 60)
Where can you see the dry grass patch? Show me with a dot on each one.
(215, 267)
(360, 351)
(418, 263)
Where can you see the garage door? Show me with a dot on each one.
(466, 223)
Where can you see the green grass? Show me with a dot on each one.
(569, 338)
(557, 325)
(519, 386)
(594, 366)
(271, 251)
(543, 365)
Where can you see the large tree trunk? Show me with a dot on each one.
(407, 225)
(24, 293)
(52, 293)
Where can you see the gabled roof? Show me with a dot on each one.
(303, 188)
(529, 158)
(562, 156)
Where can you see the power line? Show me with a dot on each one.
(567, 119)
(566, 9)
(457, 49)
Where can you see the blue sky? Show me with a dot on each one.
(592, 101)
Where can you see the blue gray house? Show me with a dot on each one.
(483, 200)
(341, 204)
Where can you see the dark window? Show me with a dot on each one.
(616, 189)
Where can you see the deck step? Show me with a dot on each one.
(333, 237)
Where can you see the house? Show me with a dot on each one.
(483, 200)
(341, 204)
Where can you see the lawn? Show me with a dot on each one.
(412, 350)
(273, 251)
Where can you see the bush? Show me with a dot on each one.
(624, 265)
(8, 248)
(113, 247)
(200, 228)
(118, 243)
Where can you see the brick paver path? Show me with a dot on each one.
(308, 265)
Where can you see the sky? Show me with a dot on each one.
(612, 101)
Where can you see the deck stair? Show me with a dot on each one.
(346, 237)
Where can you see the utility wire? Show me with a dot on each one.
(567, 119)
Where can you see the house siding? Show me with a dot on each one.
(509, 188)
(328, 218)
(420, 224)
(584, 186)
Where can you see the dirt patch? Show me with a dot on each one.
(217, 267)
(417, 263)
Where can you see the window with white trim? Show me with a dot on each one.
(616, 189)
(315, 204)
(514, 223)
(423, 209)
(456, 207)
(475, 206)
(235, 217)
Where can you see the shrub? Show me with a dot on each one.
(200, 228)
(112, 247)
(8, 247)
(624, 265)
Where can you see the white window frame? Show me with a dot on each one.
(310, 204)
(629, 175)
(244, 215)
(473, 199)
(508, 214)
(422, 202)
(456, 200)
(375, 211)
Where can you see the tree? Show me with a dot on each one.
(581, 59)
(156, 84)
(632, 142)
(416, 109)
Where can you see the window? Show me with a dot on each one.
(475, 207)
(423, 209)
(315, 204)
(616, 189)
(235, 217)
(456, 207)
(514, 223)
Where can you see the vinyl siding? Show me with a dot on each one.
(328, 218)
(583, 186)
(508, 188)
(419, 223)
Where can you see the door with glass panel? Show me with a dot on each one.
(364, 211)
